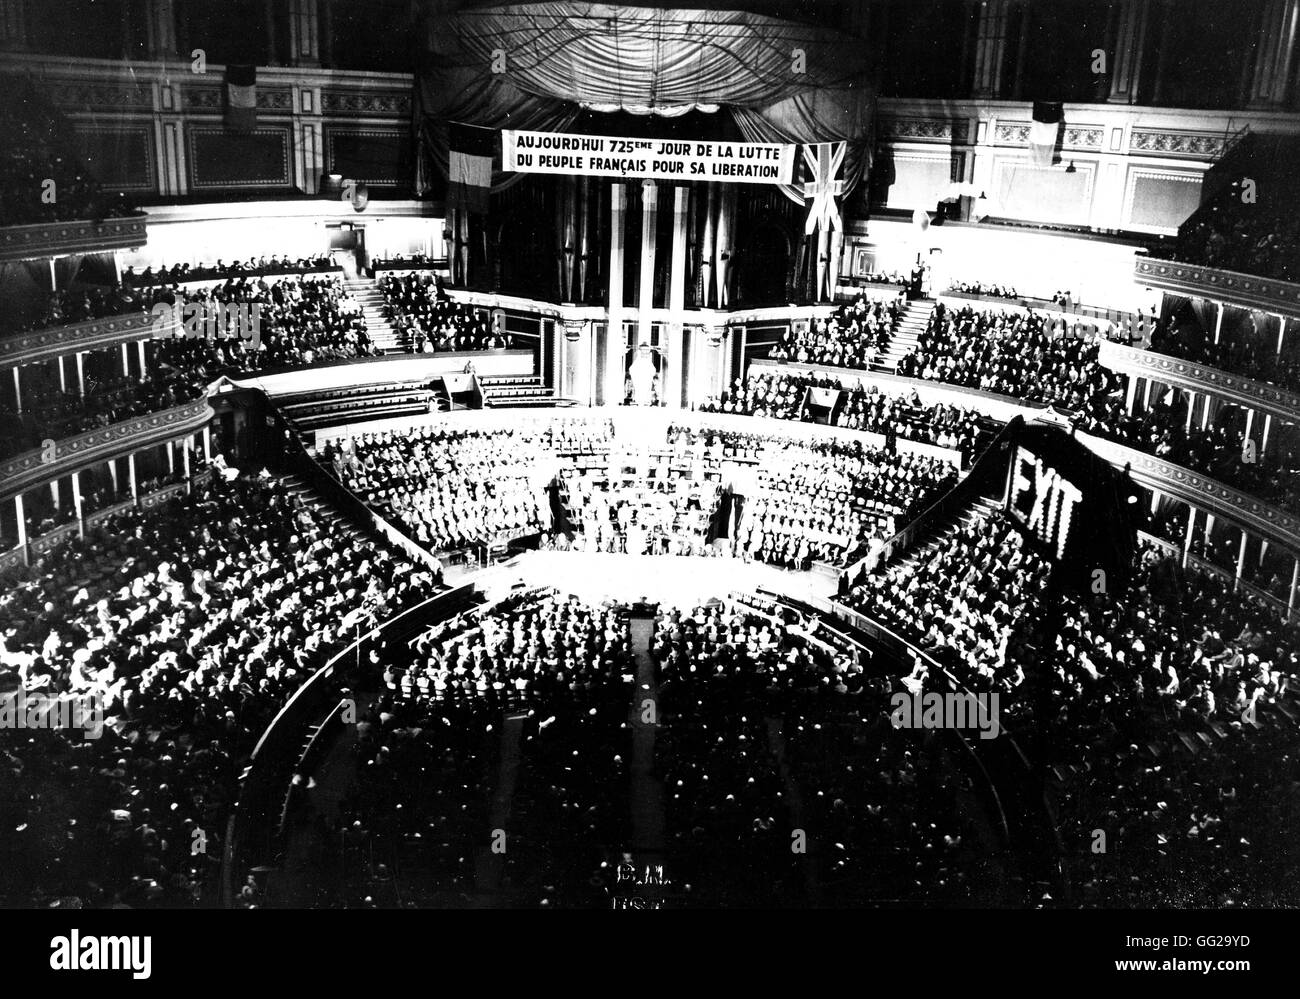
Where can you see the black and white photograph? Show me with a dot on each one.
(828, 463)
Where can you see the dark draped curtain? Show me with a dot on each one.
(782, 82)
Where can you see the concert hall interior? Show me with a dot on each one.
(649, 456)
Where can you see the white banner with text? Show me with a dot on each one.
(657, 159)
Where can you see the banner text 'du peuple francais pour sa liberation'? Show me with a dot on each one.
(657, 159)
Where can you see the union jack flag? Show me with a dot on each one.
(824, 160)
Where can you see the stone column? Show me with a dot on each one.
(76, 503)
(1269, 73)
(615, 343)
(1295, 583)
(160, 29)
(649, 234)
(22, 523)
(304, 33)
(1126, 58)
(672, 387)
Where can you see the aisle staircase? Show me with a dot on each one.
(911, 324)
(366, 291)
(321, 510)
(921, 553)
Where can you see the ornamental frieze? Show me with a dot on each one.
(924, 129)
(360, 102)
(81, 94)
(1015, 133)
(1201, 145)
(212, 98)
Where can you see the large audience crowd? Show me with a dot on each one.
(57, 416)
(452, 489)
(1244, 353)
(190, 624)
(1245, 237)
(1164, 724)
(963, 599)
(854, 336)
(771, 726)
(763, 726)
(1164, 699)
(828, 502)
(44, 182)
(298, 322)
(423, 313)
(428, 751)
(1015, 354)
(807, 501)
(782, 395)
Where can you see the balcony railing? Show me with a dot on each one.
(1259, 518)
(92, 334)
(74, 453)
(1246, 291)
(1261, 396)
(50, 239)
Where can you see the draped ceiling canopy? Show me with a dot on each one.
(561, 57)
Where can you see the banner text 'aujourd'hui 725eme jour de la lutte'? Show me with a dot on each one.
(658, 159)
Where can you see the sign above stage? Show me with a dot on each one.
(655, 159)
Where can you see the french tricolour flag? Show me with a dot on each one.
(1043, 130)
(241, 98)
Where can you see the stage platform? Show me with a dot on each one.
(670, 580)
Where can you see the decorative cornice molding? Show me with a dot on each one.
(77, 95)
(1230, 287)
(1016, 133)
(350, 102)
(73, 453)
(47, 239)
(947, 130)
(1170, 142)
(1244, 391)
(93, 334)
(211, 98)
